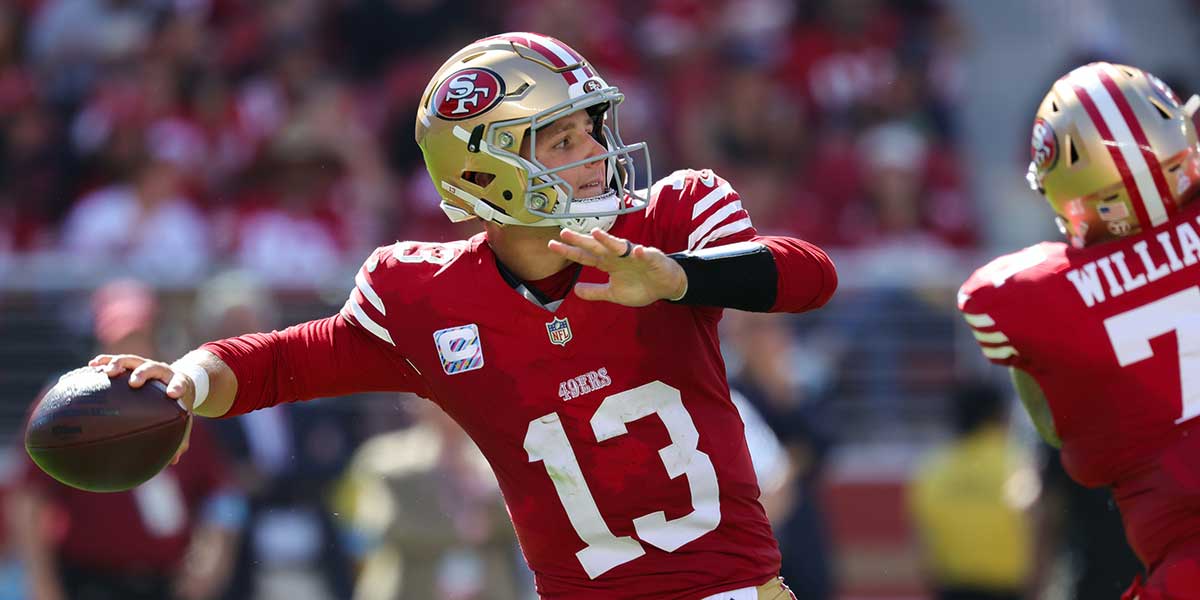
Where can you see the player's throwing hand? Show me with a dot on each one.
(638, 275)
(179, 385)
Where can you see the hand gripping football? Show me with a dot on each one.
(98, 434)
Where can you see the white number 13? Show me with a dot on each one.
(1131, 331)
(546, 441)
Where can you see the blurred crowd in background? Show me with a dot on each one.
(229, 163)
(177, 135)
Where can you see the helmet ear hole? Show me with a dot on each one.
(478, 178)
(1072, 151)
(1162, 110)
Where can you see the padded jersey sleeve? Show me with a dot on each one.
(350, 352)
(693, 210)
(990, 303)
(699, 209)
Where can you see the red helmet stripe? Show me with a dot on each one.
(540, 44)
(569, 57)
(578, 58)
(1135, 127)
(1131, 187)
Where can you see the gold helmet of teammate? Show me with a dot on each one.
(1114, 152)
(484, 102)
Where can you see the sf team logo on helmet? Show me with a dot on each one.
(1043, 147)
(467, 93)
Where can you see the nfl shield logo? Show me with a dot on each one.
(559, 331)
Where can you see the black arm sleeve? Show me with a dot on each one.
(741, 276)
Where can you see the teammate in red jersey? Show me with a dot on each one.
(1102, 336)
(609, 425)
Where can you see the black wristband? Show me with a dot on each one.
(741, 276)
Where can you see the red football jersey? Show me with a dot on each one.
(1112, 334)
(621, 458)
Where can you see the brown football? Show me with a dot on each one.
(98, 434)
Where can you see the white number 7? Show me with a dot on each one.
(546, 441)
(1131, 331)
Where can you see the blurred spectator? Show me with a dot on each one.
(145, 221)
(429, 511)
(173, 537)
(72, 41)
(284, 457)
(14, 584)
(1082, 551)
(767, 372)
(970, 501)
(911, 200)
(772, 463)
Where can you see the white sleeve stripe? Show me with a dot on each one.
(368, 292)
(1001, 352)
(711, 198)
(730, 229)
(979, 320)
(361, 316)
(712, 222)
(994, 337)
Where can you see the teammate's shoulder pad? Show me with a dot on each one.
(1006, 274)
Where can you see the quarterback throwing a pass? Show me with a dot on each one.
(1103, 335)
(575, 339)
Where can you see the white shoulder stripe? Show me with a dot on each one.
(994, 337)
(712, 221)
(730, 229)
(375, 328)
(978, 320)
(711, 198)
(999, 353)
(368, 292)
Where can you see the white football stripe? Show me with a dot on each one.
(994, 337)
(375, 328)
(1123, 137)
(368, 292)
(730, 229)
(712, 221)
(711, 198)
(999, 353)
(978, 320)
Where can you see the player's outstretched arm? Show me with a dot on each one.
(216, 380)
(322, 358)
(196, 371)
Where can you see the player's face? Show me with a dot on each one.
(567, 140)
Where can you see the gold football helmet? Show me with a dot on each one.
(1114, 152)
(484, 102)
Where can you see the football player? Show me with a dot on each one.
(1102, 334)
(574, 339)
